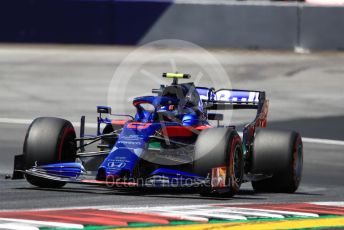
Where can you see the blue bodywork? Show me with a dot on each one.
(131, 143)
(128, 149)
(73, 169)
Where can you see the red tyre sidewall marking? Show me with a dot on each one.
(231, 175)
(66, 131)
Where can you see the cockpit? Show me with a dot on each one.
(177, 103)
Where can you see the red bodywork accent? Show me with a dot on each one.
(177, 131)
(138, 102)
(170, 131)
(111, 182)
(118, 122)
(138, 125)
(262, 119)
(183, 131)
(202, 127)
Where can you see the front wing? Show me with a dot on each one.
(154, 181)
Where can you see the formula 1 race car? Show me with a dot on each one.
(169, 143)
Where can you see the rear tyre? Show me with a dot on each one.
(279, 153)
(48, 140)
(218, 147)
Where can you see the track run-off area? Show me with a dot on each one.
(305, 93)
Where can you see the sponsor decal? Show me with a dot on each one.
(218, 177)
(237, 96)
(129, 142)
(113, 164)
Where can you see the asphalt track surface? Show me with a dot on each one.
(305, 91)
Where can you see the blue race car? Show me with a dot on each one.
(169, 143)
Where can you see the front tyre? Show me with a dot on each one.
(279, 153)
(48, 140)
(220, 147)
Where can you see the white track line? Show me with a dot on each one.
(19, 121)
(187, 212)
(322, 141)
(42, 223)
(174, 214)
(209, 211)
(16, 121)
(331, 203)
(203, 213)
(184, 217)
(19, 226)
(291, 213)
(249, 213)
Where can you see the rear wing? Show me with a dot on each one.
(224, 99)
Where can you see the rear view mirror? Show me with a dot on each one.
(104, 109)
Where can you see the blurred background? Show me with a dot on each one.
(287, 25)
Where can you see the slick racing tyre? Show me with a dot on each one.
(48, 140)
(280, 154)
(220, 147)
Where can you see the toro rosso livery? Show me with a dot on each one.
(169, 143)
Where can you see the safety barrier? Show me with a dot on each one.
(208, 23)
(322, 28)
(229, 25)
